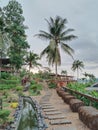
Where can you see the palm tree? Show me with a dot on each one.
(57, 34)
(91, 77)
(77, 65)
(32, 59)
(64, 72)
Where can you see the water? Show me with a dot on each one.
(28, 119)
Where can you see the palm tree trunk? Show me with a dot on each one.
(56, 70)
(77, 74)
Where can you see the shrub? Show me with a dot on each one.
(5, 93)
(33, 82)
(14, 104)
(6, 86)
(4, 115)
(19, 88)
(5, 75)
(52, 85)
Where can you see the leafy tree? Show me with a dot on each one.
(16, 32)
(32, 59)
(77, 65)
(3, 35)
(57, 35)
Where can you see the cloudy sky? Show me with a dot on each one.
(82, 15)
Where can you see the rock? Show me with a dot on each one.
(75, 104)
(89, 116)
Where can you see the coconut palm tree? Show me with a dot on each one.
(91, 77)
(57, 34)
(77, 65)
(64, 72)
(32, 59)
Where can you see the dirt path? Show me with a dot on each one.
(58, 114)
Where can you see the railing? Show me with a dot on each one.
(91, 99)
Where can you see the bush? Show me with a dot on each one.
(36, 86)
(5, 93)
(4, 81)
(52, 85)
(4, 115)
(5, 75)
(6, 86)
(33, 82)
(19, 88)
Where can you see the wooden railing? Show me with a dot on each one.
(92, 99)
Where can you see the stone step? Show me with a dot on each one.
(56, 117)
(61, 121)
(45, 103)
(48, 107)
(53, 113)
(64, 128)
(50, 110)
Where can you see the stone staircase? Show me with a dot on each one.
(55, 118)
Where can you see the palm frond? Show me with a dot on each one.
(67, 49)
(42, 36)
(44, 52)
(68, 38)
(66, 32)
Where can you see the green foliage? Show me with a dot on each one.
(52, 85)
(32, 59)
(14, 82)
(20, 93)
(16, 32)
(12, 98)
(19, 88)
(79, 87)
(4, 115)
(5, 93)
(6, 86)
(33, 82)
(35, 88)
(5, 75)
(23, 72)
(57, 35)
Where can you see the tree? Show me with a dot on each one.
(57, 35)
(16, 32)
(91, 77)
(3, 35)
(64, 72)
(32, 59)
(77, 65)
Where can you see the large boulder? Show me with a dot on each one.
(67, 98)
(75, 104)
(89, 116)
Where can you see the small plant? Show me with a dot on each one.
(52, 85)
(14, 104)
(5, 93)
(20, 93)
(5, 75)
(19, 88)
(4, 116)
